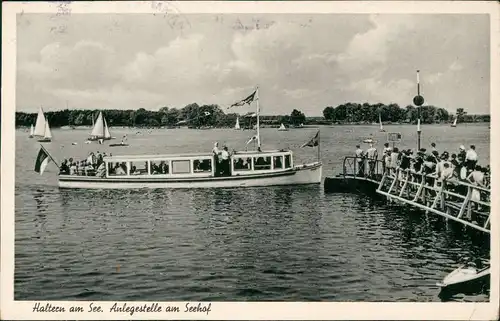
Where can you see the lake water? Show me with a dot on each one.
(247, 244)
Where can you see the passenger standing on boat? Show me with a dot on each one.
(226, 171)
(360, 160)
(101, 170)
(216, 152)
(64, 168)
(372, 155)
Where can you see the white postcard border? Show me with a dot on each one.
(18, 310)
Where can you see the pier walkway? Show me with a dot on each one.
(453, 199)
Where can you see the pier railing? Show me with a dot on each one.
(363, 168)
(453, 199)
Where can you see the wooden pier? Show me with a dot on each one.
(450, 199)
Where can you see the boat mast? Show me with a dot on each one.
(258, 112)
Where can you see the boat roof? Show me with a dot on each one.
(189, 155)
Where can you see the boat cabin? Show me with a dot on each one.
(198, 165)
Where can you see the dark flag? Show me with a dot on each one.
(42, 161)
(313, 142)
(245, 101)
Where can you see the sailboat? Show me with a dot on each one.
(282, 128)
(380, 122)
(100, 130)
(237, 126)
(454, 122)
(42, 128)
(32, 131)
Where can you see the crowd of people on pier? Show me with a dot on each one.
(435, 166)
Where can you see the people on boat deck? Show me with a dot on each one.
(360, 157)
(371, 154)
(224, 163)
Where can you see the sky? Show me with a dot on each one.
(302, 61)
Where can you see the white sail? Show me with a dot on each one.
(48, 133)
(380, 122)
(106, 129)
(32, 130)
(455, 122)
(98, 130)
(237, 126)
(282, 126)
(40, 124)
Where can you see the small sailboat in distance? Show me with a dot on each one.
(100, 130)
(42, 128)
(454, 122)
(237, 126)
(32, 131)
(380, 122)
(282, 128)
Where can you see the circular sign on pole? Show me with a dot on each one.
(418, 100)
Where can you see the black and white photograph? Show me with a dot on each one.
(163, 159)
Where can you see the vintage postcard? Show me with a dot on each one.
(250, 160)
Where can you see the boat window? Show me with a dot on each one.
(159, 167)
(262, 163)
(278, 162)
(117, 169)
(181, 167)
(202, 165)
(242, 163)
(139, 168)
(288, 161)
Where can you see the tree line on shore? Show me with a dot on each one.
(194, 115)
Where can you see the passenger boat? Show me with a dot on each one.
(202, 170)
(246, 169)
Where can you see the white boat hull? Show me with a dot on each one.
(299, 175)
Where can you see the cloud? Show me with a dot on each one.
(298, 61)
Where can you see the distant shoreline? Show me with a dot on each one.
(310, 125)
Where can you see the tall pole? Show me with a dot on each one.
(419, 130)
(258, 112)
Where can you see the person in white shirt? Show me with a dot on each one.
(476, 178)
(372, 155)
(216, 152)
(471, 158)
(394, 160)
(360, 160)
(225, 161)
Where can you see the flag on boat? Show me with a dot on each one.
(254, 138)
(245, 101)
(42, 160)
(313, 142)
